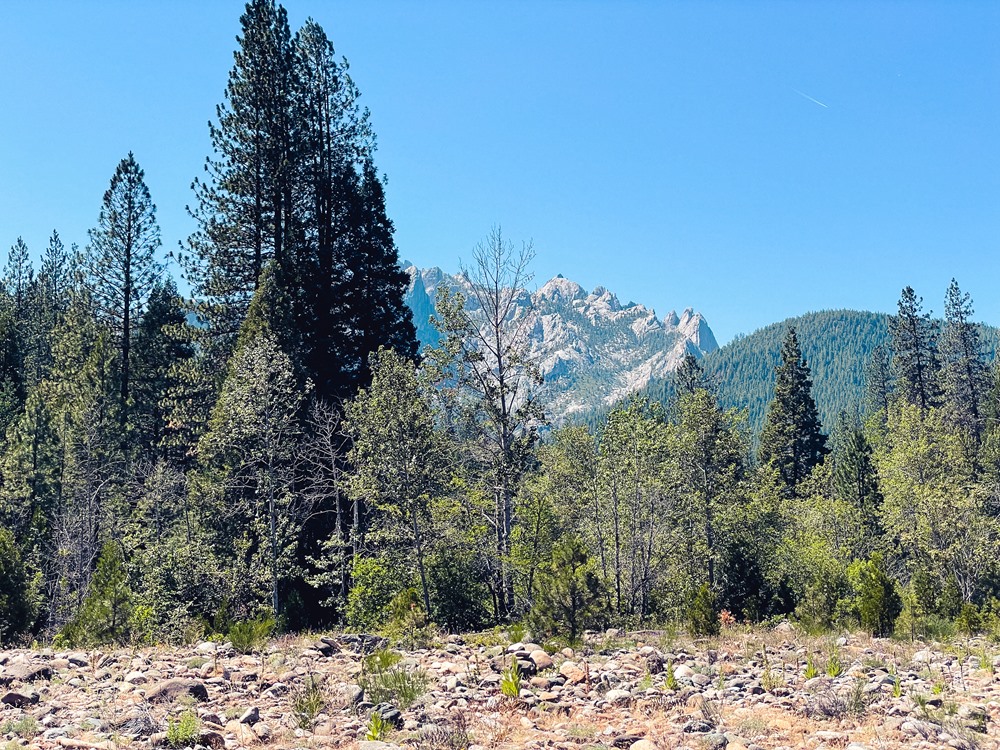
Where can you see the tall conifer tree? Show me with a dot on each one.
(122, 265)
(964, 374)
(914, 350)
(792, 441)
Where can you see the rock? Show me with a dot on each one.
(618, 696)
(136, 678)
(389, 713)
(263, 731)
(696, 726)
(541, 659)
(376, 745)
(250, 716)
(173, 689)
(25, 672)
(19, 699)
(642, 745)
(209, 738)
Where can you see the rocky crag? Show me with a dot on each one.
(591, 349)
(759, 690)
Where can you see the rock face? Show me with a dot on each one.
(591, 349)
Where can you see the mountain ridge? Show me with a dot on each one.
(590, 347)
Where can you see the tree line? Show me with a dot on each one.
(275, 445)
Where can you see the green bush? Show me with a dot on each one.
(702, 612)
(385, 680)
(876, 600)
(568, 593)
(108, 614)
(184, 731)
(969, 621)
(250, 636)
(375, 583)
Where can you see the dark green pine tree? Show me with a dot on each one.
(690, 376)
(18, 277)
(373, 312)
(855, 478)
(879, 382)
(964, 374)
(160, 350)
(792, 440)
(49, 302)
(914, 348)
(245, 211)
(122, 268)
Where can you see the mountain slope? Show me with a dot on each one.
(836, 344)
(591, 349)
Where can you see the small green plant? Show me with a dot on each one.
(772, 680)
(183, 731)
(834, 666)
(250, 636)
(510, 680)
(811, 669)
(385, 680)
(857, 701)
(308, 702)
(897, 687)
(671, 683)
(921, 701)
(378, 728)
(516, 632)
(25, 727)
(720, 682)
(937, 688)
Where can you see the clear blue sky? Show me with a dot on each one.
(678, 153)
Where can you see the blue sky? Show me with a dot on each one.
(753, 160)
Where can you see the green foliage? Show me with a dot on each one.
(184, 730)
(17, 596)
(969, 620)
(308, 701)
(811, 669)
(385, 679)
(510, 680)
(568, 598)
(834, 664)
(378, 729)
(375, 584)
(109, 614)
(250, 636)
(25, 727)
(878, 604)
(792, 442)
(703, 615)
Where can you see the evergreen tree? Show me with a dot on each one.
(855, 478)
(690, 376)
(964, 375)
(161, 349)
(915, 357)
(122, 266)
(792, 441)
(245, 213)
(879, 382)
(18, 277)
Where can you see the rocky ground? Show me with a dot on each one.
(741, 691)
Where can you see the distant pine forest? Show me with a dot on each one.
(269, 447)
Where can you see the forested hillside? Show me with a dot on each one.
(837, 345)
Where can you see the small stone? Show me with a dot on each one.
(618, 696)
(541, 659)
(19, 700)
(263, 731)
(250, 716)
(175, 688)
(642, 745)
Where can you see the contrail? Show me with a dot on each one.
(815, 101)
